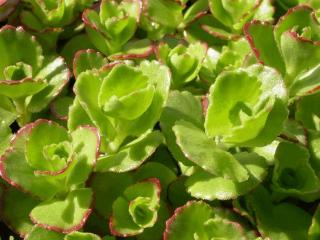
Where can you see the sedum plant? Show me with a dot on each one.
(136, 209)
(225, 20)
(52, 173)
(177, 120)
(289, 47)
(113, 25)
(184, 62)
(232, 112)
(124, 102)
(49, 19)
(30, 79)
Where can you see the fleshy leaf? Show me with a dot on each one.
(132, 155)
(40, 233)
(136, 209)
(81, 236)
(293, 174)
(15, 213)
(314, 230)
(57, 75)
(272, 219)
(60, 107)
(180, 106)
(21, 89)
(208, 187)
(197, 220)
(261, 39)
(86, 144)
(25, 47)
(122, 98)
(87, 60)
(254, 119)
(106, 194)
(202, 151)
(308, 111)
(64, 215)
(23, 177)
(39, 139)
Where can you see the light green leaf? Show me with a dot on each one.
(81, 236)
(15, 212)
(202, 151)
(293, 174)
(132, 155)
(208, 187)
(87, 60)
(67, 214)
(38, 233)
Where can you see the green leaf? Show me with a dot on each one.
(64, 215)
(293, 174)
(60, 107)
(255, 119)
(77, 116)
(75, 44)
(263, 44)
(132, 155)
(177, 192)
(16, 171)
(180, 106)
(40, 233)
(314, 230)
(156, 170)
(107, 193)
(15, 212)
(294, 48)
(208, 187)
(187, 221)
(87, 89)
(185, 62)
(272, 219)
(8, 112)
(87, 60)
(134, 49)
(125, 93)
(166, 13)
(136, 209)
(202, 151)
(26, 49)
(308, 111)
(81, 236)
(5, 136)
(86, 143)
(56, 74)
(50, 133)
(22, 88)
(159, 76)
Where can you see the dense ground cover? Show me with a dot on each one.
(160, 119)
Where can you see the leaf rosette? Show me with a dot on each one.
(225, 20)
(50, 159)
(183, 61)
(124, 102)
(292, 46)
(49, 18)
(136, 209)
(198, 220)
(29, 79)
(296, 177)
(113, 25)
(243, 119)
